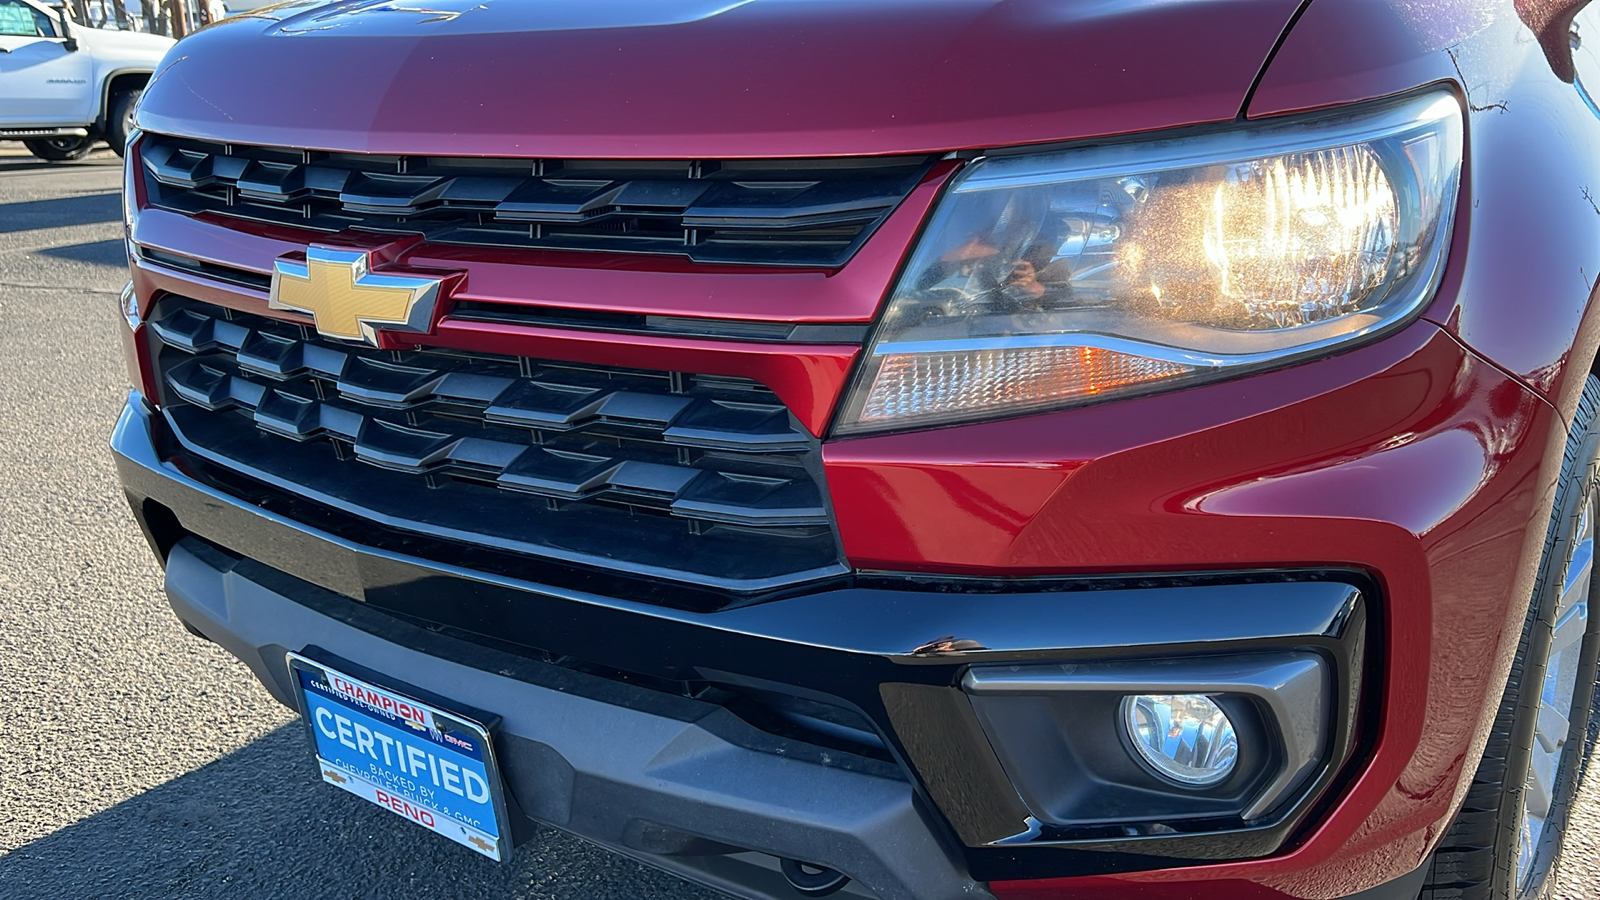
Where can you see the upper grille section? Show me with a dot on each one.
(702, 479)
(775, 212)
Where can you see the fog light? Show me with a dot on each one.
(1184, 737)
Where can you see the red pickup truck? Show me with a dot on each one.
(945, 449)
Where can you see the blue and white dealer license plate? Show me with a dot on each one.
(420, 762)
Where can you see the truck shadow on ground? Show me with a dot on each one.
(81, 209)
(22, 162)
(259, 823)
(100, 253)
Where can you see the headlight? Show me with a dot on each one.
(1048, 280)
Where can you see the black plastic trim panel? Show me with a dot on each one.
(675, 782)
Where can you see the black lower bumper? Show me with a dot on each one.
(675, 783)
(614, 722)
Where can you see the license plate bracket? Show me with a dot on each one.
(421, 760)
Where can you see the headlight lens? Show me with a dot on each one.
(1047, 280)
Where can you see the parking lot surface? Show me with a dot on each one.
(136, 760)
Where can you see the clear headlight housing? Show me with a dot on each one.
(1049, 280)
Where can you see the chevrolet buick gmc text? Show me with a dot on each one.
(1014, 448)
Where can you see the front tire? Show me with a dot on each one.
(65, 149)
(119, 119)
(1506, 842)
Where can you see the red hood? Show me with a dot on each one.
(709, 78)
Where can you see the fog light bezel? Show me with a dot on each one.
(1094, 619)
(1282, 704)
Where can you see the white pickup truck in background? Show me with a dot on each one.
(64, 85)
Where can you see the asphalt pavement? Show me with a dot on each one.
(136, 760)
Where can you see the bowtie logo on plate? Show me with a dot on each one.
(338, 288)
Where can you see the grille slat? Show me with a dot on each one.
(774, 212)
(531, 442)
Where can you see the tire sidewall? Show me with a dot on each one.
(42, 149)
(117, 112)
(1525, 686)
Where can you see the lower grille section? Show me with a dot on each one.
(705, 480)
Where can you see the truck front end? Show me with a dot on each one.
(817, 448)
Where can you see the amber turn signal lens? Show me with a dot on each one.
(962, 382)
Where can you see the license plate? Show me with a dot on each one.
(420, 762)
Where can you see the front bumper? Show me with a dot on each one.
(665, 781)
(599, 749)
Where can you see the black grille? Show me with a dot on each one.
(701, 479)
(813, 212)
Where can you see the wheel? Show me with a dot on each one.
(65, 149)
(119, 118)
(1506, 842)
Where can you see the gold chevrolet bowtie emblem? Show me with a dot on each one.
(348, 300)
